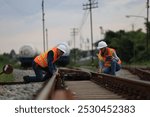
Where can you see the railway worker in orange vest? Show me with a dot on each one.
(45, 62)
(109, 62)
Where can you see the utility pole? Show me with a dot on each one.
(147, 28)
(46, 38)
(43, 14)
(132, 25)
(75, 31)
(90, 6)
(101, 32)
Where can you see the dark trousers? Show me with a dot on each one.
(42, 74)
(113, 68)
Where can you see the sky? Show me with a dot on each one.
(21, 21)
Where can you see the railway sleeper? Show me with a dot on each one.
(130, 89)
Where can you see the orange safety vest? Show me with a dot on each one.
(42, 58)
(110, 51)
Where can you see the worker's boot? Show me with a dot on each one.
(26, 79)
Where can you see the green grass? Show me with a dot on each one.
(6, 78)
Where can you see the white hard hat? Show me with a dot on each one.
(101, 44)
(64, 47)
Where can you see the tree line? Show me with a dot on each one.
(130, 46)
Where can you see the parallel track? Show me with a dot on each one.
(143, 73)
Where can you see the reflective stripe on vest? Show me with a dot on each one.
(42, 58)
(110, 51)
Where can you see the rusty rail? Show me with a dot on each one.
(48, 90)
(74, 74)
(53, 90)
(129, 88)
(141, 72)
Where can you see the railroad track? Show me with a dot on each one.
(90, 85)
(80, 84)
(143, 73)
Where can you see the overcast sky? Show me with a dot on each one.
(21, 21)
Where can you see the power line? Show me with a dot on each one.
(74, 33)
(140, 12)
(89, 6)
(146, 22)
(85, 16)
(83, 21)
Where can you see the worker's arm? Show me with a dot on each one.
(115, 56)
(100, 63)
(100, 57)
(100, 67)
(50, 58)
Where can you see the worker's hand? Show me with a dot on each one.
(99, 57)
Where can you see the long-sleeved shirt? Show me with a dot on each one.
(51, 66)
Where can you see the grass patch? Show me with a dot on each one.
(6, 78)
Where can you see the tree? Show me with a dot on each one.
(129, 45)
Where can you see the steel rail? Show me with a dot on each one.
(141, 72)
(48, 89)
(126, 87)
(74, 74)
(129, 88)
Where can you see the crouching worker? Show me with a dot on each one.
(109, 62)
(45, 63)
